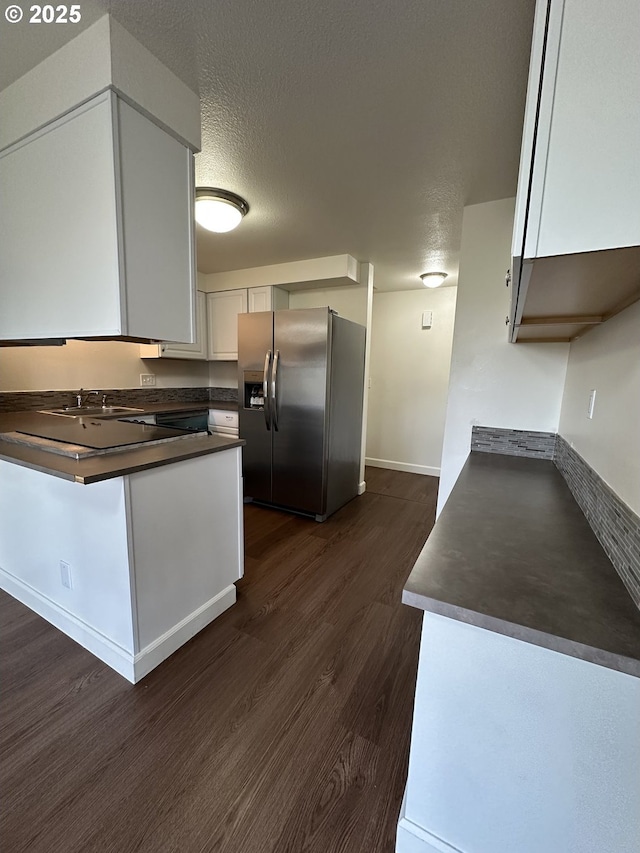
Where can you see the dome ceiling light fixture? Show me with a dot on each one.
(433, 279)
(219, 210)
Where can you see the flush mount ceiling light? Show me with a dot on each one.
(219, 210)
(433, 279)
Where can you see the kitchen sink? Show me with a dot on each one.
(89, 411)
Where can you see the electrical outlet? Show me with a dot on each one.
(147, 379)
(592, 403)
(65, 575)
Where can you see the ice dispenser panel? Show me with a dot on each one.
(253, 392)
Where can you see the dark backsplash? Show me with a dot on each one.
(616, 527)
(513, 442)
(20, 401)
(228, 394)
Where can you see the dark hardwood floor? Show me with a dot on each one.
(283, 726)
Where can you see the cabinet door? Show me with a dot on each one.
(584, 89)
(530, 129)
(223, 308)
(267, 299)
(260, 299)
(59, 272)
(592, 182)
(197, 350)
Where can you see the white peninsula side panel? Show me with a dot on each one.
(45, 520)
(152, 556)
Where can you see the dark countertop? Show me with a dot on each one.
(99, 468)
(512, 552)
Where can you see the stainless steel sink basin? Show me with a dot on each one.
(89, 411)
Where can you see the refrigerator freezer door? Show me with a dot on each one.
(299, 442)
(255, 342)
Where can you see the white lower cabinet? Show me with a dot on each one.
(194, 351)
(223, 307)
(223, 422)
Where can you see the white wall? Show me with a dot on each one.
(97, 364)
(349, 302)
(409, 379)
(607, 359)
(223, 374)
(493, 383)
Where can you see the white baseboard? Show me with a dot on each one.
(412, 838)
(168, 643)
(403, 466)
(362, 488)
(130, 666)
(98, 644)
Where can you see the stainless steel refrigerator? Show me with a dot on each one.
(301, 386)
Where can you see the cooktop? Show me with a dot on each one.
(97, 434)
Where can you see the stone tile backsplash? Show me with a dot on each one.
(229, 395)
(616, 527)
(20, 401)
(513, 442)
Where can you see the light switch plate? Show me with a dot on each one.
(65, 575)
(592, 403)
(427, 319)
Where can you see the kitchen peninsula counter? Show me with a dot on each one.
(137, 563)
(97, 468)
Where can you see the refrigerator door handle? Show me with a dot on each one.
(274, 388)
(265, 389)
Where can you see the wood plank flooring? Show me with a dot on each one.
(283, 726)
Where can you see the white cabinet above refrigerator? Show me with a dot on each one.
(223, 308)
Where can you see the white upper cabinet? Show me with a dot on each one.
(97, 229)
(223, 308)
(579, 181)
(195, 351)
(583, 160)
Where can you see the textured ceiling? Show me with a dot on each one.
(360, 127)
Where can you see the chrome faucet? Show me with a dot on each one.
(82, 396)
